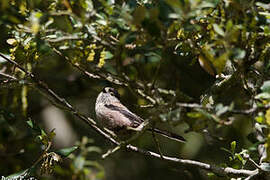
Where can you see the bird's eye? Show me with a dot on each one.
(104, 90)
(114, 93)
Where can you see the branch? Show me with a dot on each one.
(64, 38)
(87, 73)
(212, 168)
(234, 111)
(92, 123)
(8, 76)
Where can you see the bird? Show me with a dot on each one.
(119, 120)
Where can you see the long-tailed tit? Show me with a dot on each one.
(113, 115)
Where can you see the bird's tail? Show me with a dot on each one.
(168, 134)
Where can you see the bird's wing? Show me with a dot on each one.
(135, 120)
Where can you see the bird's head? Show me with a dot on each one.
(111, 92)
(108, 95)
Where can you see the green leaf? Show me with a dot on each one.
(94, 149)
(240, 158)
(220, 62)
(264, 95)
(30, 123)
(266, 86)
(265, 166)
(260, 119)
(238, 53)
(153, 57)
(267, 116)
(34, 126)
(108, 55)
(220, 109)
(67, 151)
(263, 5)
(88, 5)
(43, 133)
(226, 150)
(22, 174)
(233, 146)
(218, 30)
(79, 162)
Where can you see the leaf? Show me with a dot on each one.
(240, 158)
(207, 65)
(194, 115)
(264, 95)
(34, 126)
(108, 55)
(66, 151)
(88, 5)
(267, 147)
(265, 166)
(2, 60)
(19, 174)
(233, 146)
(263, 5)
(12, 42)
(267, 14)
(153, 57)
(218, 30)
(102, 22)
(30, 123)
(94, 149)
(220, 109)
(138, 15)
(208, 115)
(267, 117)
(79, 162)
(220, 62)
(22, 174)
(259, 119)
(226, 150)
(266, 86)
(239, 53)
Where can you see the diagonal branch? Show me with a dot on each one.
(219, 170)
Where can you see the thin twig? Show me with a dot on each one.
(212, 168)
(64, 38)
(157, 144)
(43, 154)
(8, 76)
(234, 111)
(254, 163)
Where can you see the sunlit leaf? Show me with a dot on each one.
(233, 146)
(266, 86)
(220, 62)
(22, 174)
(12, 42)
(264, 95)
(267, 117)
(30, 123)
(207, 65)
(79, 162)
(94, 149)
(108, 55)
(218, 29)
